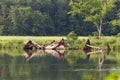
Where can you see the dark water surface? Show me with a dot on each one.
(59, 65)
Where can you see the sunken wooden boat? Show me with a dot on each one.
(55, 45)
(52, 46)
(32, 44)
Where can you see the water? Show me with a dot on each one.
(18, 64)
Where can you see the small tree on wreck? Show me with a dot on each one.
(92, 10)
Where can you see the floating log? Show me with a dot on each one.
(88, 46)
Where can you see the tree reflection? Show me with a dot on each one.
(101, 59)
(59, 65)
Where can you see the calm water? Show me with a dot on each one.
(59, 65)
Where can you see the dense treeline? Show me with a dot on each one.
(49, 17)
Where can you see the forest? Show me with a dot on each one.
(50, 18)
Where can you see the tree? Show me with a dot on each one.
(1, 29)
(116, 22)
(92, 10)
(19, 17)
(28, 22)
(42, 24)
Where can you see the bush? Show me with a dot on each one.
(112, 41)
(72, 36)
(118, 35)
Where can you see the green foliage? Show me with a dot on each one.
(72, 36)
(19, 17)
(1, 29)
(118, 35)
(73, 40)
(113, 76)
(112, 41)
(18, 41)
(28, 22)
(93, 11)
(50, 17)
(95, 34)
(115, 22)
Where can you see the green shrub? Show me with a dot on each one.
(98, 43)
(118, 35)
(72, 39)
(112, 41)
(95, 33)
(72, 36)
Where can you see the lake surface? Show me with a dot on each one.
(19, 64)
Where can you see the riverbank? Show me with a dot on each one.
(19, 41)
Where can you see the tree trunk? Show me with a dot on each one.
(99, 28)
(99, 31)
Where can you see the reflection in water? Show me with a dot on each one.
(100, 59)
(56, 53)
(60, 54)
(47, 65)
(29, 54)
(100, 62)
